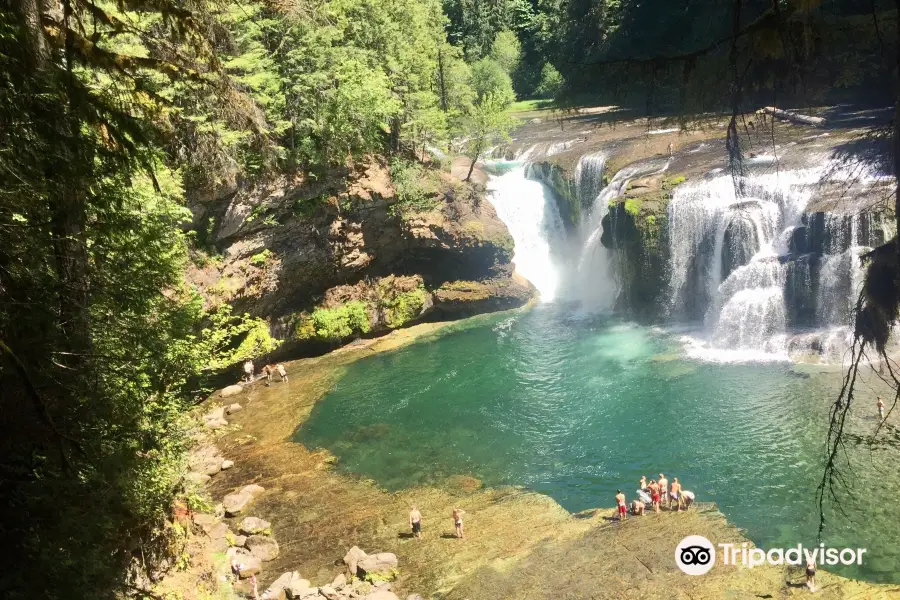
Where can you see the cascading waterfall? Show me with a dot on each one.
(592, 281)
(527, 209)
(725, 262)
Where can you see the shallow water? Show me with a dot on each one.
(578, 406)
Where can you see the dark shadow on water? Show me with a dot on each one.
(405, 535)
(448, 536)
(585, 514)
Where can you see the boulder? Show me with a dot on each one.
(197, 478)
(414, 597)
(352, 558)
(329, 592)
(227, 464)
(381, 595)
(235, 552)
(253, 525)
(263, 547)
(215, 419)
(231, 390)
(298, 587)
(233, 408)
(234, 504)
(276, 591)
(245, 566)
(204, 521)
(305, 593)
(339, 581)
(219, 534)
(252, 489)
(379, 565)
(240, 540)
(211, 466)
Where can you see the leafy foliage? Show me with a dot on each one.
(335, 323)
(404, 307)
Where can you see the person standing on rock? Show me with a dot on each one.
(457, 521)
(282, 371)
(621, 503)
(415, 522)
(880, 405)
(811, 575)
(643, 482)
(248, 370)
(675, 494)
(654, 494)
(664, 489)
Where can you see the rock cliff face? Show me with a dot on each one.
(288, 248)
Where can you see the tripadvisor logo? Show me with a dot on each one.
(696, 555)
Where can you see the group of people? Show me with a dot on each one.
(654, 494)
(268, 371)
(415, 521)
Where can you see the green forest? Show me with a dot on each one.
(113, 113)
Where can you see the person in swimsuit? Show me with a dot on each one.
(675, 493)
(415, 522)
(688, 498)
(881, 408)
(811, 575)
(643, 482)
(248, 370)
(457, 521)
(620, 502)
(637, 507)
(654, 494)
(663, 489)
(282, 371)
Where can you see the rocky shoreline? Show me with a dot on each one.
(305, 519)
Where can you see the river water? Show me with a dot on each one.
(576, 407)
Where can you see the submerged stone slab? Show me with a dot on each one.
(381, 565)
(263, 547)
(253, 525)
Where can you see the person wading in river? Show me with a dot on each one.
(620, 502)
(663, 489)
(880, 405)
(457, 521)
(415, 522)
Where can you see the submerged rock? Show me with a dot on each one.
(227, 464)
(232, 408)
(231, 390)
(197, 478)
(381, 595)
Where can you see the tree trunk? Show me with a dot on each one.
(472, 166)
(790, 116)
(441, 81)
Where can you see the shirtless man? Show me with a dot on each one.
(457, 521)
(620, 502)
(248, 370)
(654, 494)
(671, 148)
(643, 482)
(637, 508)
(675, 493)
(811, 575)
(881, 408)
(415, 522)
(282, 371)
(663, 489)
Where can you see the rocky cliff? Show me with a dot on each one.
(330, 259)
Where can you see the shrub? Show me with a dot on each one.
(258, 260)
(335, 323)
(404, 307)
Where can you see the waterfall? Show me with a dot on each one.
(592, 280)
(725, 253)
(528, 210)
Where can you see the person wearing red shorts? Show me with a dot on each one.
(623, 509)
(654, 494)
